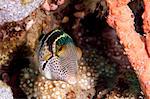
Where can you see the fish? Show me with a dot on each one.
(58, 57)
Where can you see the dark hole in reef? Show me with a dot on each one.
(92, 24)
(137, 6)
(18, 62)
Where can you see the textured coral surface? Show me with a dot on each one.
(5, 91)
(14, 10)
(120, 16)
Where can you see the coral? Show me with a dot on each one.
(13, 35)
(39, 87)
(115, 51)
(87, 74)
(59, 89)
(146, 22)
(28, 78)
(134, 47)
(3, 59)
(52, 6)
(5, 91)
(17, 9)
(7, 48)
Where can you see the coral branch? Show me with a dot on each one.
(146, 23)
(121, 19)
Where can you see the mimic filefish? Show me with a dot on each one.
(57, 56)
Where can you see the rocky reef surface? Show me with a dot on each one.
(15, 10)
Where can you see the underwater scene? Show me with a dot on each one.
(74, 49)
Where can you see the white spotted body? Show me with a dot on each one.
(57, 56)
